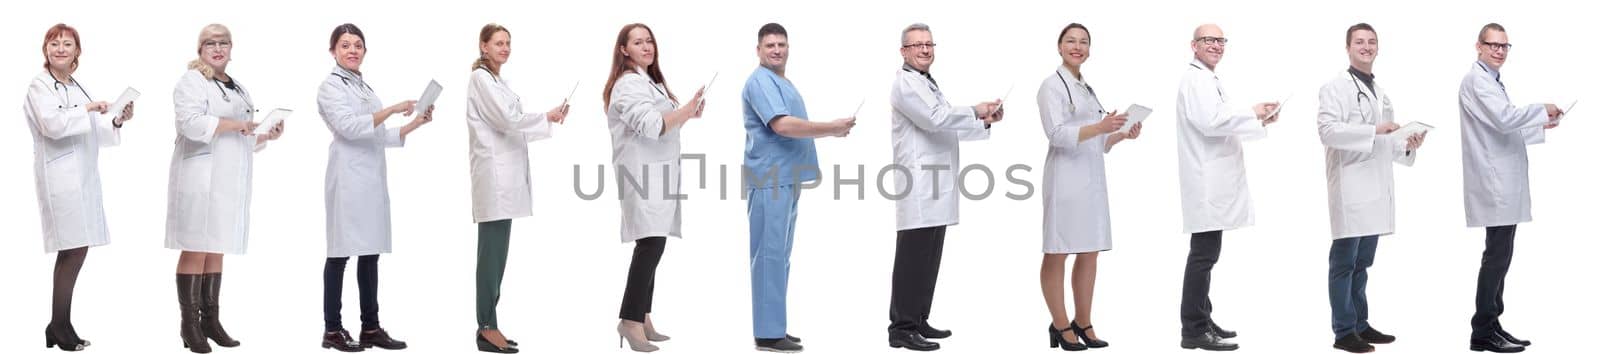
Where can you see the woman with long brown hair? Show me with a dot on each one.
(644, 117)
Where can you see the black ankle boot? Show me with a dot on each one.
(62, 339)
(209, 322)
(189, 314)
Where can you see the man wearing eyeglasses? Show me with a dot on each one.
(1211, 129)
(1356, 124)
(926, 130)
(1494, 160)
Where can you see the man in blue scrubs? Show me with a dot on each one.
(778, 156)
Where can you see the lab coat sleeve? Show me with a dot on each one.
(1051, 114)
(501, 110)
(50, 118)
(1212, 116)
(189, 105)
(1336, 133)
(764, 97)
(636, 107)
(1533, 136)
(336, 108)
(971, 135)
(913, 99)
(1498, 113)
(392, 138)
(1395, 142)
(109, 134)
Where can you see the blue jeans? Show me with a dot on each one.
(1348, 260)
(772, 214)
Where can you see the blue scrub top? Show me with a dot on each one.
(768, 96)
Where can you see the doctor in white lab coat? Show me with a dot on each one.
(1077, 213)
(357, 186)
(208, 200)
(1494, 162)
(1356, 123)
(1211, 131)
(645, 118)
(499, 130)
(926, 131)
(69, 128)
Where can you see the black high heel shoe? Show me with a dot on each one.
(63, 341)
(1083, 335)
(485, 346)
(1056, 341)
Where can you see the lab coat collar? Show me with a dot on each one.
(350, 77)
(1197, 64)
(908, 67)
(1491, 71)
(1066, 75)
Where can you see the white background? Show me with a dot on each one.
(567, 268)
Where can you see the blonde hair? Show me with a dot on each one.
(211, 30)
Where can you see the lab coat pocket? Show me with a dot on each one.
(1224, 181)
(1359, 185)
(1507, 176)
(193, 183)
(64, 184)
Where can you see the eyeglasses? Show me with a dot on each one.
(1497, 46)
(1212, 40)
(928, 45)
(216, 45)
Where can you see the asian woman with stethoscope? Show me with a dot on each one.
(69, 128)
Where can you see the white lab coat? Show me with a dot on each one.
(1360, 162)
(927, 131)
(1494, 153)
(66, 151)
(356, 189)
(208, 193)
(1211, 131)
(1077, 214)
(644, 157)
(499, 132)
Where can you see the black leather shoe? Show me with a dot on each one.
(1083, 336)
(779, 345)
(910, 340)
(485, 346)
(1353, 343)
(1223, 333)
(1371, 335)
(1207, 341)
(1497, 330)
(1057, 342)
(791, 338)
(380, 338)
(1495, 343)
(927, 331)
(340, 340)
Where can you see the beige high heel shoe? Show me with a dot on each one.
(633, 332)
(650, 331)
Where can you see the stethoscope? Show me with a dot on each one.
(1073, 106)
(364, 98)
(248, 106)
(932, 85)
(62, 90)
(1361, 95)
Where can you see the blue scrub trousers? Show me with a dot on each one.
(772, 216)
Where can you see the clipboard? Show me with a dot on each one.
(1136, 114)
(1412, 128)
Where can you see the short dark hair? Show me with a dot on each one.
(1069, 27)
(1491, 26)
(1350, 34)
(771, 28)
(343, 29)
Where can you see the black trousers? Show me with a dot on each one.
(333, 288)
(1195, 310)
(916, 271)
(640, 293)
(1497, 246)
